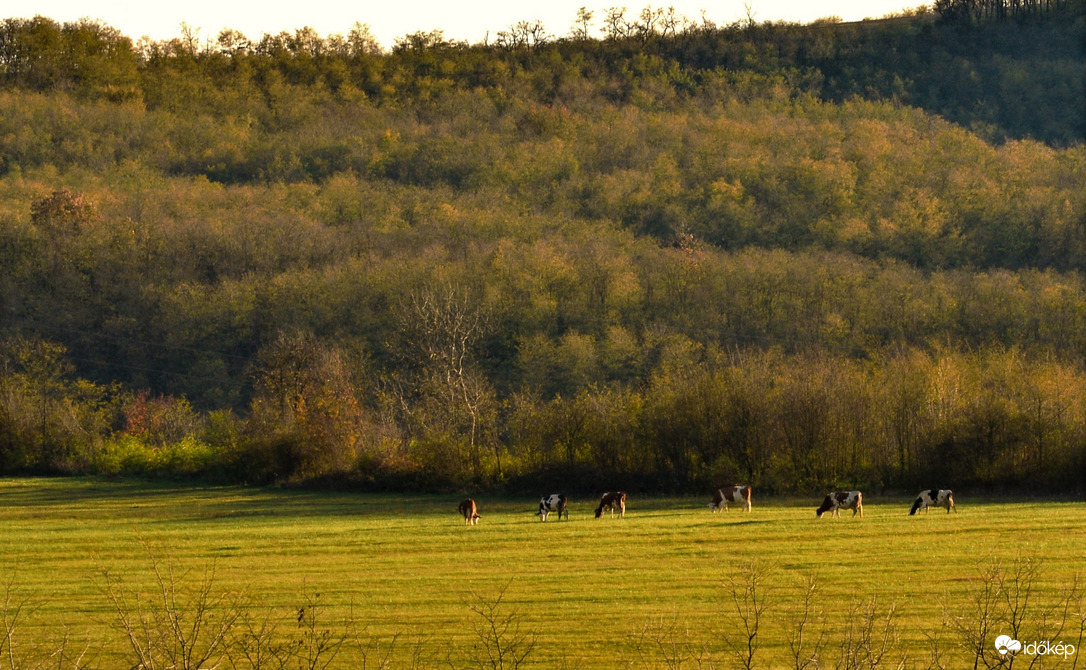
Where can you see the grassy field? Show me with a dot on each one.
(652, 590)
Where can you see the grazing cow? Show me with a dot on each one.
(555, 502)
(612, 501)
(730, 494)
(934, 498)
(838, 500)
(469, 511)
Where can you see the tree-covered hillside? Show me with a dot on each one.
(674, 256)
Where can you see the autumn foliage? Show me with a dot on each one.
(674, 256)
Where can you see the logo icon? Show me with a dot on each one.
(1005, 643)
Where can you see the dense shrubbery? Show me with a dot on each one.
(639, 258)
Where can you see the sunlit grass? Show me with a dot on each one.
(588, 589)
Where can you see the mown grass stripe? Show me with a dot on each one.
(588, 589)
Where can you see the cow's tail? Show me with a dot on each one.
(916, 506)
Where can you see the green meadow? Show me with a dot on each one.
(400, 580)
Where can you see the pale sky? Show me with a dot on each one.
(468, 20)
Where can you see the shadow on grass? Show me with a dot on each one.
(175, 500)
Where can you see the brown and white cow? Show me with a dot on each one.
(469, 511)
(556, 502)
(612, 501)
(934, 498)
(731, 494)
(839, 500)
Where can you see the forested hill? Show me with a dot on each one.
(1006, 69)
(667, 257)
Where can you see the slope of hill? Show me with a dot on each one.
(671, 256)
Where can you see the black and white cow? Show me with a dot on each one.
(934, 498)
(556, 502)
(731, 494)
(839, 500)
(612, 501)
(469, 511)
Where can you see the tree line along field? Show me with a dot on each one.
(798, 256)
(402, 575)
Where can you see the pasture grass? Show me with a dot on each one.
(650, 590)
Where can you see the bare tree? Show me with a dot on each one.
(503, 643)
(255, 644)
(528, 35)
(441, 326)
(1077, 609)
(670, 21)
(869, 637)
(1001, 601)
(748, 7)
(380, 650)
(935, 650)
(1017, 590)
(615, 25)
(667, 644)
(804, 644)
(580, 26)
(190, 39)
(646, 26)
(316, 646)
(180, 626)
(750, 601)
(974, 626)
(37, 653)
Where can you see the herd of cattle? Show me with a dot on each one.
(740, 493)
